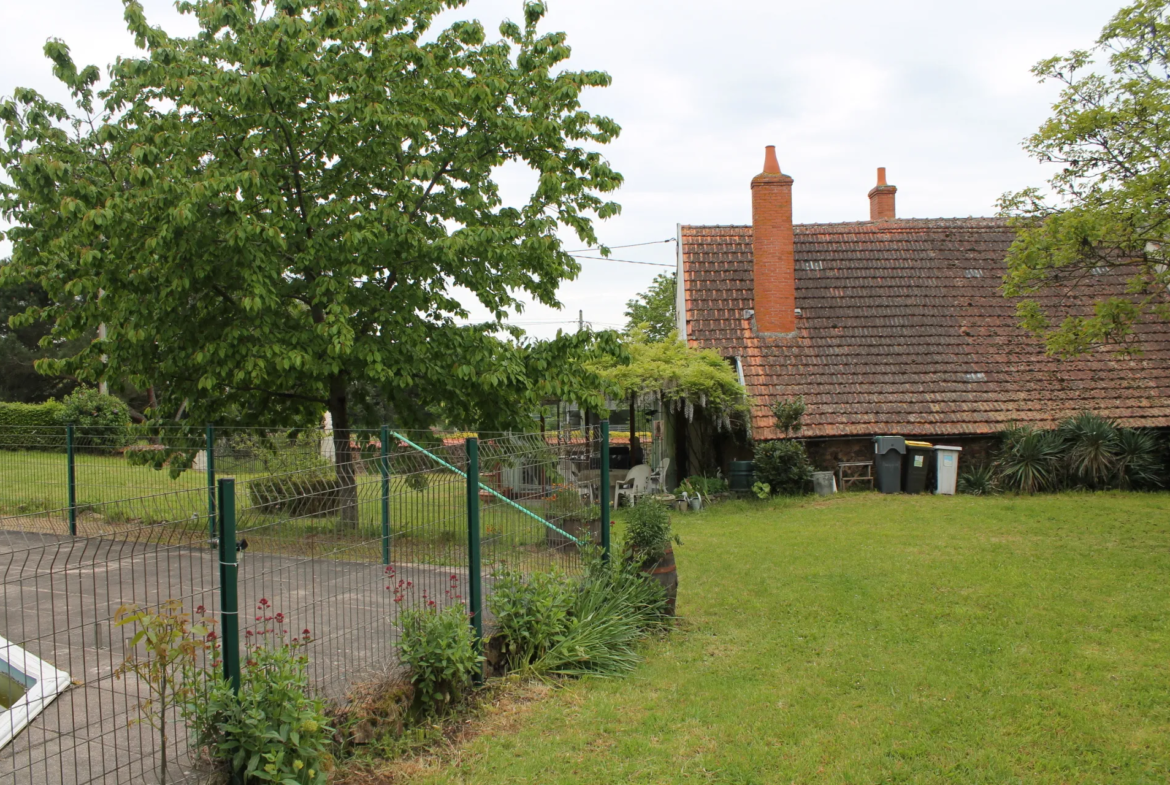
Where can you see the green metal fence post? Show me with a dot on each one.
(605, 489)
(385, 465)
(229, 571)
(71, 480)
(474, 585)
(210, 468)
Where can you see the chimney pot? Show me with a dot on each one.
(881, 199)
(773, 249)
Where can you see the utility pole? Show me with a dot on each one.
(580, 321)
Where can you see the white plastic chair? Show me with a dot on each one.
(635, 484)
(658, 477)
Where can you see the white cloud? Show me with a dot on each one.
(940, 93)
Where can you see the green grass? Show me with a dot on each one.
(871, 639)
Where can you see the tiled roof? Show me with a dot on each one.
(904, 330)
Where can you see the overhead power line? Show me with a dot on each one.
(631, 245)
(620, 261)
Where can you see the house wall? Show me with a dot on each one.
(825, 454)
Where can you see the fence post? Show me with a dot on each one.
(71, 479)
(229, 570)
(209, 449)
(474, 586)
(605, 489)
(385, 494)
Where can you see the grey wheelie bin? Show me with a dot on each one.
(887, 463)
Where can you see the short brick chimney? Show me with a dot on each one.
(773, 249)
(881, 199)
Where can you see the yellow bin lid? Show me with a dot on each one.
(920, 445)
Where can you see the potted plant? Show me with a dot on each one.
(649, 541)
(567, 511)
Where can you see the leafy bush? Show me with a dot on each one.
(33, 425)
(648, 532)
(978, 481)
(532, 614)
(441, 653)
(1090, 442)
(272, 731)
(1029, 459)
(296, 495)
(1138, 461)
(99, 420)
(704, 486)
(789, 414)
(784, 466)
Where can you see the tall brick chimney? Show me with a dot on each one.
(773, 251)
(881, 199)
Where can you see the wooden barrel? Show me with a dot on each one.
(664, 571)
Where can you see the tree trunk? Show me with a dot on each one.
(635, 443)
(343, 457)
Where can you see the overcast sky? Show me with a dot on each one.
(940, 93)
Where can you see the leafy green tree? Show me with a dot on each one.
(275, 211)
(21, 347)
(1107, 207)
(653, 311)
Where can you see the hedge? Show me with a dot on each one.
(31, 425)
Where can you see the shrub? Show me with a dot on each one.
(296, 495)
(614, 606)
(1139, 459)
(784, 466)
(789, 414)
(31, 425)
(99, 420)
(1090, 443)
(272, 731)
(648, 532)
(978, 481)
(1029, 459)
(704, 486)
(532, 614)
(441, 653)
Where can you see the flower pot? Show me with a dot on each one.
(665, 572)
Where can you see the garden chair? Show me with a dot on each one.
(635, 485)
(657, 483)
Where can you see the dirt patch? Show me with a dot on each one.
(497, 710)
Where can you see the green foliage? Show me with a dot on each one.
(1029, 459)
(789, 414)
(648, 533)
(99, 420)
(614, 607)
(441, 653)
(20, 348)
(164, 647)
(762, 490)
(1107, 209)
(784, 467)
(35, 425)
(979, 480)
(532, 614)
(1090, 442)
(680, 375)
(271, 235)
(653, 312)
(704, 486)
(273, 730)
(1139, 459)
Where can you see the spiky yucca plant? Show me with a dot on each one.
(1029, 460)
(1090, 441)
(980, 480)
(1139, 459)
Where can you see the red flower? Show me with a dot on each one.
(280, 618)
(200, 610)
(305, 631)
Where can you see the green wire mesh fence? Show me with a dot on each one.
(333, 540)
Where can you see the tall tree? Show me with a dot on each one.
(1109, 205)
(276, 210)
(20, 348)
(653, 311)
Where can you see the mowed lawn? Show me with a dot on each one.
(870, 639)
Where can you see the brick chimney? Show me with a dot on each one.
(881, 199)
(773, 251)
